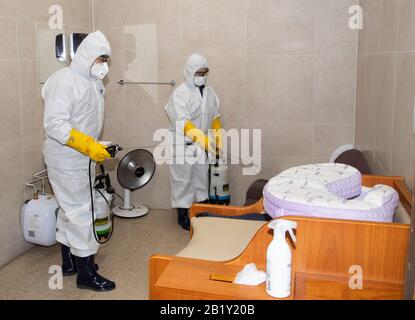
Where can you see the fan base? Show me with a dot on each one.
(135, 212)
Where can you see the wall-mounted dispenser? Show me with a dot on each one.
(60, 48)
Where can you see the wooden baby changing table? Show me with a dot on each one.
(328, 259)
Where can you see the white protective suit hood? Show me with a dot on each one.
(92, 47)
(195, 62)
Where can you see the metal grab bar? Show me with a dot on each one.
(171, 83)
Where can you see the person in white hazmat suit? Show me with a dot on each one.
(193, 111)
(73, 121)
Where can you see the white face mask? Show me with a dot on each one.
(200, 81)
(99, 70)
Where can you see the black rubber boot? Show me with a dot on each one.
(183, 218)
(88, 278)
(69, 263)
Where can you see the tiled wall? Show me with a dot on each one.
(285, 66)
(21, 108)
(386, 87)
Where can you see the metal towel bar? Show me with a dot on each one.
(171, 83)
(123, 82)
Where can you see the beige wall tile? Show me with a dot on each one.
(362, 119)
(225, 40)
(404, 138)
(334, 8)
(10, 127)
(8, 8)
(31, 101)
(27, 43)
(328, 138)
(115, 93)
(21, 127)
(11, 166)
(197, 12)
(388, 25)
(239, 184)
(333, 36)
(76, 13)
(228, 79)
(375, 107)
(33, 154)
(281, 10)
(335, 89)
(113, 131)
(369, 35)
(280, 88)
(383, 111)
(145, 105)
(12, 199)
(266, 38)
(385, 90)
(8, 39)
(35, 10)
(273, 165)
(148, 12)
(280, 139)
(140, 133)
(406, 22)
(118, 9)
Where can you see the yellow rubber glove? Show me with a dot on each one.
(217, 126)
(197, 135)
(87, 146)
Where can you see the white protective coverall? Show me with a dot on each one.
(189, 182)
(74, 99)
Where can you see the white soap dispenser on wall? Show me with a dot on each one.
(279, 259)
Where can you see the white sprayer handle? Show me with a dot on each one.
(292, 235)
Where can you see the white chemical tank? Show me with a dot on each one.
(103, 223)
(219, 192)
(38, 220)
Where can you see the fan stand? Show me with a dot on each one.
(129, 211)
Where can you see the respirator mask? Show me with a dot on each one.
(200, 81)
(100, 70)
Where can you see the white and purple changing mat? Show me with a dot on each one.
(328, 191)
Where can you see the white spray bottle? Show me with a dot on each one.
(279, 259)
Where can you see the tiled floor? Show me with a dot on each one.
(123, 260)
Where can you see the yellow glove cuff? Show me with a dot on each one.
(197, 135)
(217, 126)
(87, 146)
(79, 141)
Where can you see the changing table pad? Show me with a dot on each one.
(328, 191)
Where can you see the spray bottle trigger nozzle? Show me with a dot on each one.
(291, 232)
